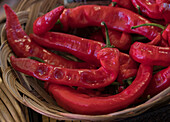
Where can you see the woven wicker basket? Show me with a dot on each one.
(28, 90)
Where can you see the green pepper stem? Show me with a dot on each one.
(114, 4)
(37, 59)
(59, 23)
(139, 11)
(149, 24)
(107, 36)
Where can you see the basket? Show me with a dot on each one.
(28, 90)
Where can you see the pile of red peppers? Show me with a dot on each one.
(133, 64)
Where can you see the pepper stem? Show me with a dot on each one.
(107, 36)
(37, 59)
(149, 24)
(114, 4)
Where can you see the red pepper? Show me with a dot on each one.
(76, 102)
(85, 50)
(23, 46)
(164, 8)
(166, 34)
(148, 8)
(120, 40)
(150, 54)
(46, 22)
(115, 18)
(125, 4)
(159, 82)
(97, 78)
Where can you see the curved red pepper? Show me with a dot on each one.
(46, 22)
(149, 8)
(159, 82)
(23, 46)
(166, 34)
(115, 18)
(150, 54)
(85, 50)
(105, 75)
(76, 102)
(125, 4)
(164, 8)
(120, 40)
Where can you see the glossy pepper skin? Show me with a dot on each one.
(164, 8)
(125, 4)
(166, 34)
(95, 78)
(120, 40)
(46, 22)
(76, 102)
(115, 18)
(148, 8)
(85, 50)
(150, 54)
(159, 82)
(23, 46)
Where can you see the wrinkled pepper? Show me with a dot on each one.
(115, 18)
(164, 8)
(85, 50)
(23, 46)
(120, 40)
(159, 82)
(77, 102)
(166, 34)
(148, 8)
(125, 4)
(95, 78)
(46, 22)
(150, 54)
(162, 39)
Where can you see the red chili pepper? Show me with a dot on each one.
(46, 22)
(125, 4)
(150, 54)
(120, 40)
(76, 102)
(115, 18)
(148, 8)
(164, 8)
(23, 46)
(166, 34)
(159, 82)
(97, 78)
(85, 50)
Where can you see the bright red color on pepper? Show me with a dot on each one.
(164, 8)
(95, 78)
(23, 46)
(115, 18)
(166, 34)
(159, 82)
(46, 22)
(85, 50)
(149, 8)
(76, 102)
(120, 40)
(125, 4)
(150, 54)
